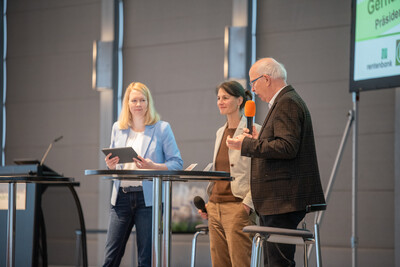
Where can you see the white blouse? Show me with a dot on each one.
(135, 140)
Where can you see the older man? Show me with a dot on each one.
(284, 168)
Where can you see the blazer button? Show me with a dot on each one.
(232, 165)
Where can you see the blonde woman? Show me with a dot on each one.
(140, 127)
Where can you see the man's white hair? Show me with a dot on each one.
(272, 68)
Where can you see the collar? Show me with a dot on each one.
(271, 102)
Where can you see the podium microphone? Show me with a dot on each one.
(249, 112)
(199, 203)
(48, 149)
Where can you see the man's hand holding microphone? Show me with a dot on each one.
(250, 131)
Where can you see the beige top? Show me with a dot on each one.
(239, 166)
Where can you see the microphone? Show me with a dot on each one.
(58, 139)
(199, 203)
(48, 149)
(249, 112)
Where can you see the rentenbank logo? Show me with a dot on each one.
(397, 52)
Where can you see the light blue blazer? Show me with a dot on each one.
(159, 145)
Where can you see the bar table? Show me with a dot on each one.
(160, 178)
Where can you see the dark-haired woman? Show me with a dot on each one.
(229, 205)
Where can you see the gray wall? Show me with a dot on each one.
(176, 48)
(49, 94)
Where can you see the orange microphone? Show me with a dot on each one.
(249, 112)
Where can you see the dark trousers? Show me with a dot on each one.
(129, 210)
(277, 255)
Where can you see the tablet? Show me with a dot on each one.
(125, 154)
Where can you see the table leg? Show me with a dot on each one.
(11, 224)
(156, 219)
(167, 224)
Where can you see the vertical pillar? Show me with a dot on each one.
(354, 228)
(236, 43)
(166, 253)
(157, 222)
(106, 119)
(3, 76)
(12, 197)
(397, 179)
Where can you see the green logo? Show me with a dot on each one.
(397, 52)
(384, 53)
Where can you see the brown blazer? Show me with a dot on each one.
(284, 167)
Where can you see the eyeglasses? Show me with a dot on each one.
(253, 81)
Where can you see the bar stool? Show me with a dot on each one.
(202, 229)
(286, 236)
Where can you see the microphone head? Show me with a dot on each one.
(58, 139)
(250, 108)
(199, 203)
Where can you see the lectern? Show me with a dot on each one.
(23, 233)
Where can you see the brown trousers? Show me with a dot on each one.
(229, 245)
